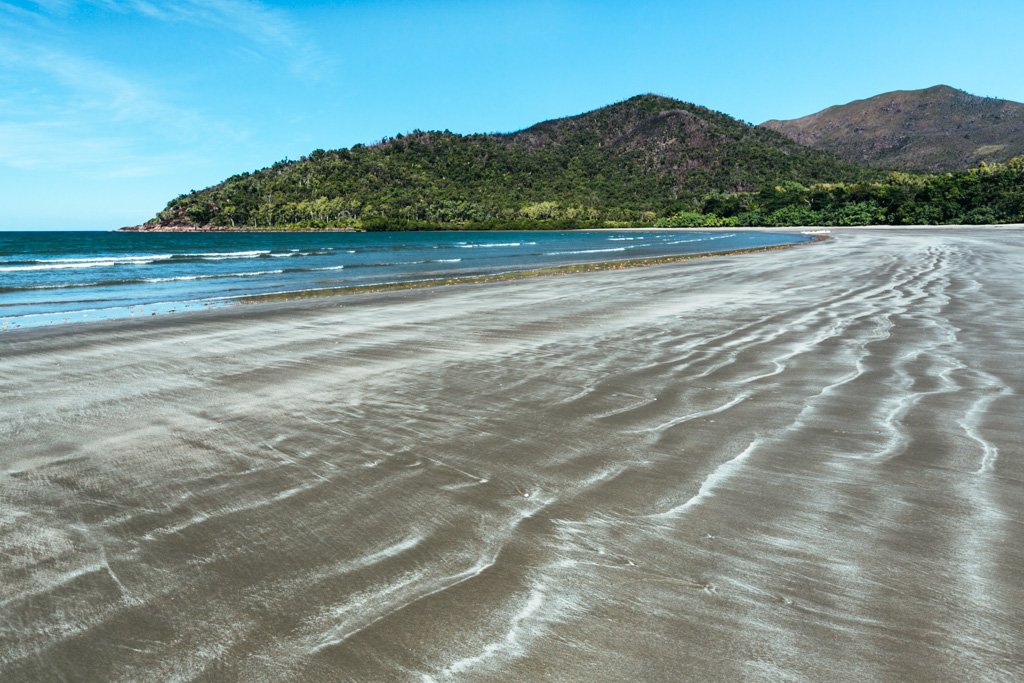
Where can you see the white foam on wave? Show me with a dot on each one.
(225, 257)
(71, 266)
(116, 259)
(299, 252)
(66, 285)
(420, 262)
(251, 273)
(226, 254)
(495, 244)
(585, 251)
(132, 260)
(703, 239)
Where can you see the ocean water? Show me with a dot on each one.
(49, 278)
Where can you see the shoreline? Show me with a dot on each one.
(780, 228)
(810, 458)
(512, 275)
(165, 309)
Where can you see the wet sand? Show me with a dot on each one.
(795, 465)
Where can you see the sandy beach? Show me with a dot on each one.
(795, 465)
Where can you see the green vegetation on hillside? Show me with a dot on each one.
(991, 193)
(629, 163)
(647, 161)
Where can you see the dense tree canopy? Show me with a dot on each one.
(649, 160)
(990, 193)
(631, 162)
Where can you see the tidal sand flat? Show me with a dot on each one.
(794, 465)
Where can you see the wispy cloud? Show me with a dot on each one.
(88, 84)
(266, 28)
(60, 145)
(52, 6)
(69, 112)
(15, 17)
(61, 110)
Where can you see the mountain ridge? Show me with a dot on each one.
(648, 160)
(631, 161)
(936, 129)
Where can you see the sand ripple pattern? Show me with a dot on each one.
(802, 465)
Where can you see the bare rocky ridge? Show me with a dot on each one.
(937, 129)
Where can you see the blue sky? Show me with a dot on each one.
(110, 108)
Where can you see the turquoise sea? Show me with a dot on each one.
(49, 278)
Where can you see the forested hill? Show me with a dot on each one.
(632, 162)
